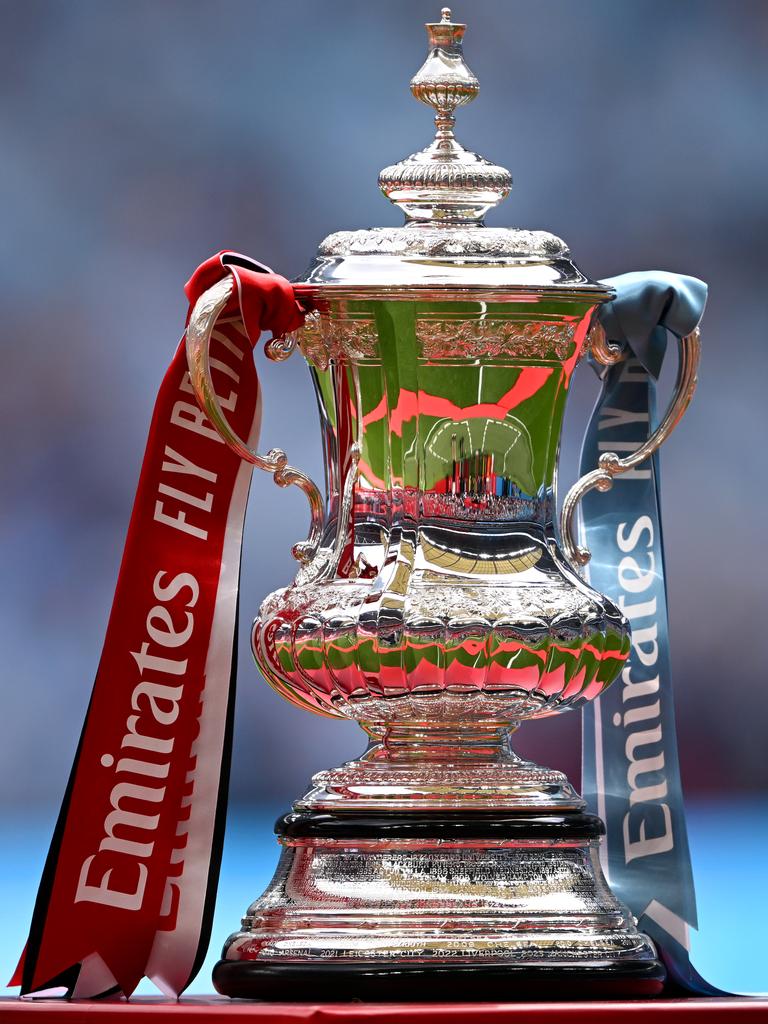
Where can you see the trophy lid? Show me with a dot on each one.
(445, 192)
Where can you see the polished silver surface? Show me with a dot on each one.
(444, 192)
(604, 352)
(457, 605)
(447, 241)
(445, 182)
(446, 767)
(610, 464)
(532, 902)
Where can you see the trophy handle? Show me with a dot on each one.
(610, 465)
(198, 337)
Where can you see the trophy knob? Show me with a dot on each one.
(444, 81)
(445, 183)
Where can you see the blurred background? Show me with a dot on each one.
(136, 138)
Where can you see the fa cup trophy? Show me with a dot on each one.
(437, 605)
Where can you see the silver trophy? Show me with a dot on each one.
(436, 605)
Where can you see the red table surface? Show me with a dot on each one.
(215, 1010)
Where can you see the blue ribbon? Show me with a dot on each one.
(631, 772)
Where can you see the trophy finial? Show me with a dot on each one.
(444, 81)
(445, 183)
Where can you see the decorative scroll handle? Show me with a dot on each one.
(199, 330)
(609, 464)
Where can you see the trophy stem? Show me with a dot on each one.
(440, 743)
(440, 766)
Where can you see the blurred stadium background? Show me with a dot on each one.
(137, 138)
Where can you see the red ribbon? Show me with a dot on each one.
(130, 878)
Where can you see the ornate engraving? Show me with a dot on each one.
(525, 776)
(511, 784)
(322, 339)
(472, 339)
(434, 178)
(493, 243)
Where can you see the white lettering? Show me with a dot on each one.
(179, 464)
(133, 738)
(206, 503)
(644, 846)
(130, 819)
(642, 637)
(227, 404)
(641, 579)
(177, 584)
(127, 830)
(168, 636)
(647, 826)
(629, 543)
(191, 417)
(102, 893)
(611, 418)
(156, 692)
(150, 662)
(178, 522)
(642, 688)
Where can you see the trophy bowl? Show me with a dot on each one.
(456, 615)
(437, 605)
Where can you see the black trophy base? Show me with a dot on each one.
(435, 907)
(441, 983)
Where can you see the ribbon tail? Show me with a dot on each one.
(19, 972)
(178, 953)
(631, 773)
(95, 980)
(129, 884)
(683, 978)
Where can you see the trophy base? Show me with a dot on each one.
(454, 983)
(466, 906)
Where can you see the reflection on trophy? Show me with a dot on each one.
(435, 605)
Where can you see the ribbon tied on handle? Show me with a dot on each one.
(630, 766)
(129, 883)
